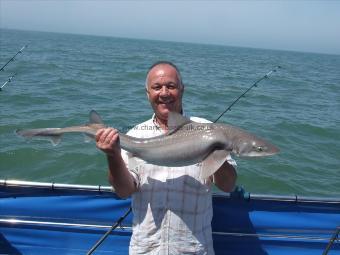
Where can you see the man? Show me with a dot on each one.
(171, 205)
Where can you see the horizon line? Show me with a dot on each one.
(172, 41)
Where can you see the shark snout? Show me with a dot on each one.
(255, 149)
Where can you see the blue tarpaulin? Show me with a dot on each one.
(49, 220)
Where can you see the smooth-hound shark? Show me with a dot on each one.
(186, 142)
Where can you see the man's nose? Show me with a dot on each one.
(164, 91)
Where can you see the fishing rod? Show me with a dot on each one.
(8, 80)
(252, 86)
(114, 226)
(20, 51)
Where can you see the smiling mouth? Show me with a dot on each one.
(165, 103)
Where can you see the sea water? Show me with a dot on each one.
(61, 77)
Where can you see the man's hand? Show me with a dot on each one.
(107, 140)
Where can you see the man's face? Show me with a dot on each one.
(164, 90)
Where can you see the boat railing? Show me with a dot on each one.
(52, 185)
(239, 192)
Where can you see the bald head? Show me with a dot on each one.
(161, 64)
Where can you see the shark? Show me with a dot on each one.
(185, 143)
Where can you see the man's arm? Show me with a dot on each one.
(225, 177)
(119, 176)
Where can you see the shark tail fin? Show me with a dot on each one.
(40, 133)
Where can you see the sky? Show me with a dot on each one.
(309, 26)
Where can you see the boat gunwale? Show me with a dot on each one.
(101, 188)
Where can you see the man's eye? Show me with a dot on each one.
(172, 86)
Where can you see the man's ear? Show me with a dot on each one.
(147, 93)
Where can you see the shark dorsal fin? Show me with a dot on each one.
(176, 121)
(95, 118)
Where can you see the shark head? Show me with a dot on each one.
(254, 147)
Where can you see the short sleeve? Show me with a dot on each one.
(129, 161)
(133, 170)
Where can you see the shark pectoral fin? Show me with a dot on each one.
(55, 140)
(213, 162)
(88, 138)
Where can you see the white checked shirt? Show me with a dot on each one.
(172, 208)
